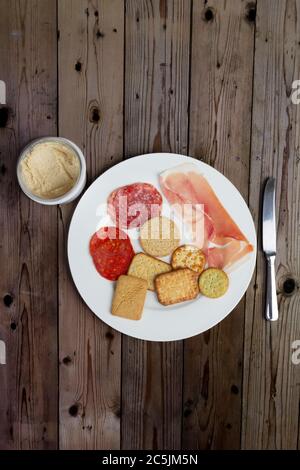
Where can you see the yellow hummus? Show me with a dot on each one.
(50, 169)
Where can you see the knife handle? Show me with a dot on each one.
(271, 298)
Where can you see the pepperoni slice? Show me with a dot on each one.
(132, 205)
(111, 251)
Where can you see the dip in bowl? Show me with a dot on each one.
(51, 170)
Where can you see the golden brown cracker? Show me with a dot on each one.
(213, 283)
(129, 297)
(176, 286)
(146, 267)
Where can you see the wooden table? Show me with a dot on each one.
(212, 79)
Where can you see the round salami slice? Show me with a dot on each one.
(132, 205)
(111, 251)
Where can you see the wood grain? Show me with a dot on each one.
(90, 113)
(220, 117)
(156, 105)
(271, 380)
(28, 310)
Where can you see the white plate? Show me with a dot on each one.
(158, 323)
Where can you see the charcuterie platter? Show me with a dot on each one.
(162, 247)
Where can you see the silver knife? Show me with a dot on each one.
(269, 248)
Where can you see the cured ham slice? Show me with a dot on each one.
(211, 227)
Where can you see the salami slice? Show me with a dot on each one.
(111, 251)
(132, 205)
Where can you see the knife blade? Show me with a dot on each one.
(269, 247)
(269, 218)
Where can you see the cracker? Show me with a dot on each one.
(176, 286)
(213, 283)
(129, 297)
(146, 267)
(159, 236)
(188, 256)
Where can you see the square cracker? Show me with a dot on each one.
(177, 286)
(146, 267)
(129, 297)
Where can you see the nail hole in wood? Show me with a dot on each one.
(208, 14)
(115, 30)
(13, 325)
(228, 426)
(289, 286)
(8, 300)
(73, 410)
(251, 12)
(234, 390)
(94, 115)
(3, 116)
(78, 66)
(99, 34)
(96, 13)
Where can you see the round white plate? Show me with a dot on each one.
(158, 323)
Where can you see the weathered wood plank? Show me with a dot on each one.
(156, 104)
(90, 113)
(28, 248)
(271, 380)
(220, 118)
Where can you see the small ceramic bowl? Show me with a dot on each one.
(74, 191)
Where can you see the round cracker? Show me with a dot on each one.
(188, 256)
(159, 236)
(213, 283)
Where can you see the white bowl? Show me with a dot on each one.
(74, 191)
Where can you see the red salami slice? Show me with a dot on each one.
(132, 205)
(111, 251)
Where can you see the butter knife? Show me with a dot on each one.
(269, 248)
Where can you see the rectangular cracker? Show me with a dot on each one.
(176, 286)
(129, 297)
(146, 267)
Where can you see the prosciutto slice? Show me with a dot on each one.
(210, 225)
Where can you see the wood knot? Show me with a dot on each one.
(3, 169)
(8, 300)
(99, 34)
(208, 14)
(109, 335)
(96, 13)
(73, 410)
(78, 66)
(4, 113)
(251, 12)
(289, 286)
(13, 325)
(67, 360)
(234, 390)
(94, 115)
